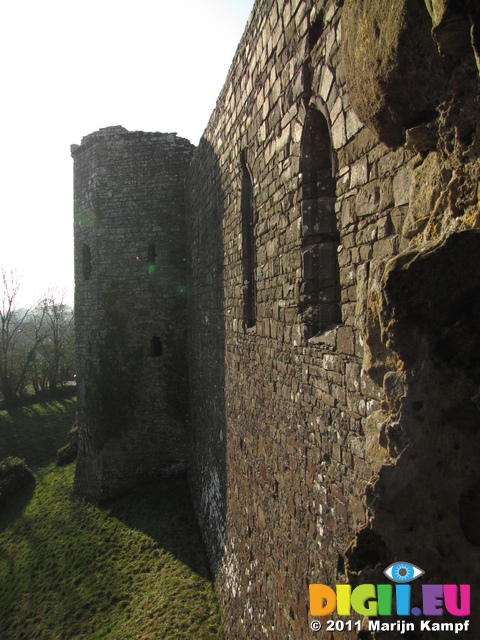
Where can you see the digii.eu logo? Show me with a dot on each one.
(376, 600)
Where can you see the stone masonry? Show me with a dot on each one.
(329, 221)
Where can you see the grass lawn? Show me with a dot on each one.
(134, 568)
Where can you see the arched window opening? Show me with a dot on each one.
(320, 289)
(248, 249)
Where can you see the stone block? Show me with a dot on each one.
(345, 340)
(401, 186)
(385, 248)
(338, 132)
(359, 172)
(326, 80)
(353, 124)
(367, 200)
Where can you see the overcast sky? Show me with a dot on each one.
(71, 67)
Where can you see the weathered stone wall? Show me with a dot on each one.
(318, 438)
(130, 277)
(289, 423)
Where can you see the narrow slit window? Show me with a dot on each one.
(86, 262)
(151, 254)
(248, 249)
(151, 257)
(156, 348)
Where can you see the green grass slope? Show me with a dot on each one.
(132, 569)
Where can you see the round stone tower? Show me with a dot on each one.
(130, 307)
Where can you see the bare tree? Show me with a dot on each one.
(53, 361)
(36, 344)
(15, 355)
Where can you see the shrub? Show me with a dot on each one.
(14, 474)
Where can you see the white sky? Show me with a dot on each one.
(70, 67)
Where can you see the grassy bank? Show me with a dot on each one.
(35, 431)
(134, 568)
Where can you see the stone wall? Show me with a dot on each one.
(334, 427)
(130, 282)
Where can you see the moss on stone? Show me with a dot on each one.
(382, 44)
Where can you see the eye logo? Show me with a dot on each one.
(403, 572)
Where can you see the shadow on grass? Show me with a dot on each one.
(164, 511)
(14, 507)
(36, 431)
(131, 568)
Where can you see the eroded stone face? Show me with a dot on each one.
(430, 308)
(454, 26)
(428, 184)
(382, 46)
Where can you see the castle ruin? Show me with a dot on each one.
(291, 311)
